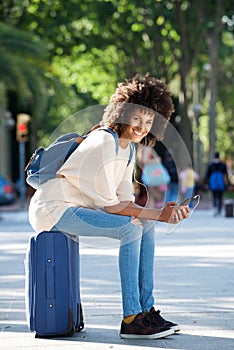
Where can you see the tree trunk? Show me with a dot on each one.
(213, 41)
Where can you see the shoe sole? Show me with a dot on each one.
(176, 328)
(148, 336)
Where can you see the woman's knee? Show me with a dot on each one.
(132, 232)
(136, 221)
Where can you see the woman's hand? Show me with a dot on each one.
(173, 213)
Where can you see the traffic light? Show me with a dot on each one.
(22, 127)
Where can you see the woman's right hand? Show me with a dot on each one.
(173, 213)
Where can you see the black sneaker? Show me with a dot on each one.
(142, 328)
(158, 320)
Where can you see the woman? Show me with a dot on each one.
(92, 196)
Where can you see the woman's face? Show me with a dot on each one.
(140, 123)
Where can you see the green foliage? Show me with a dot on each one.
(91, 45)
(225, 126)
(22, 67)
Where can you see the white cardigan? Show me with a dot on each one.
(92, 177)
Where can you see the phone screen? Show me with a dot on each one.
(189, 200)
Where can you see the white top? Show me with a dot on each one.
(94, 177)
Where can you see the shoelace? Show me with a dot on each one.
(160, 319)
(159, 316)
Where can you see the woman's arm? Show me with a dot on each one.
(171, 213)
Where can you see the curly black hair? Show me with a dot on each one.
(140, 92)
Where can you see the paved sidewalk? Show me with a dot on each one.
(193, 276)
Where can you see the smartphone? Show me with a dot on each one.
(189, 200)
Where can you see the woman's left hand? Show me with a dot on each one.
(173, 213)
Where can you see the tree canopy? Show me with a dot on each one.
(91, 45)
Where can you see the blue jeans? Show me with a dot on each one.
(136, 252)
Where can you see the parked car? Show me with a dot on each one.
(7, 191)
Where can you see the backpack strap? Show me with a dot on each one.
(112, 132)
(132, 149)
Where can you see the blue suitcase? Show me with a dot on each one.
(52, 285)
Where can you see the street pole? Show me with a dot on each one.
(22, 187)
(22, 137)
(196, 151)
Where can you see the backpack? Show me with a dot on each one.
(216, 181)
(45, 162)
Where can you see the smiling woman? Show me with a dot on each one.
(92, 195)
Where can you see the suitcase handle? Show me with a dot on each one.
(50, 267)
(50, 289)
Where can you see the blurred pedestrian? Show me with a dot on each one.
(188, 179)
(173, 185)
(154, 176)
(217, 180)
